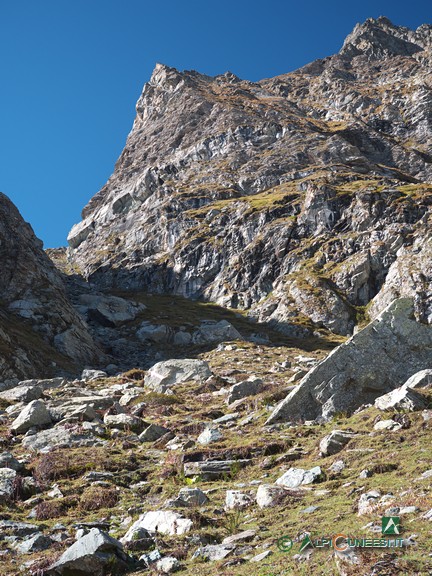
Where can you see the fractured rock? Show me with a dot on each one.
(401, 399)
(335, 442)
(34, 414)
(363, 368)
(93, 554)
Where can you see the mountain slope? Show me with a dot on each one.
(289, 197)
(40, 332)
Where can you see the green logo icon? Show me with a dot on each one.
(306, 542)
(284, 544)
(390, 525)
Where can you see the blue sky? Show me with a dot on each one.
(72, 71)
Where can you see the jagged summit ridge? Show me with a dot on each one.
(379, 38)
(227, 189)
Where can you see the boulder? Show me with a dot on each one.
(163, 521)
(58, 436)
(193, 496)
(295, 477)
(209, 435)
(89, 374)
(402, 398)
(387, 425)
(214, 552)
(334, 442)
(157, 333)
(371, 363)
(168, 373)
(7, 460)
(245, 388)
(34, 414)
(212, 469)
(34, 543)
(109, 311)
(22, 394)
(214, 332)
(95, 554)
(124, 422)
(153, 433)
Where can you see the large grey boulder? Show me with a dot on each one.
(34, 414)
(109, 311)
(402, 398)
(371, 363)
(58, 436)
(211, 332)
(334, 442)
(22, 394)
(7, 460)
(93, 554)
(168, 373)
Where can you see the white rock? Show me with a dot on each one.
(168, 564)
(168, 373)
(295, 477)
(34, 414)
(163, 521)
(209, 435)
(235, 499)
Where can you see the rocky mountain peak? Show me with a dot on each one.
(380, 38)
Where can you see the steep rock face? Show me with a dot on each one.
(290, 197)
(37, 321)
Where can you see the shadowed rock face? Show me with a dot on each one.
(373, 362)
(290, 197)
(40, 331)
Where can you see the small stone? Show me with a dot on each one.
(335, 442)
(337, 467)
(235, 499)
(244, 536)
(261, 556)
(168, 564)
(209, 435)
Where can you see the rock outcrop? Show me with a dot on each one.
(297, 198)
(40, 332)
(376, 360)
